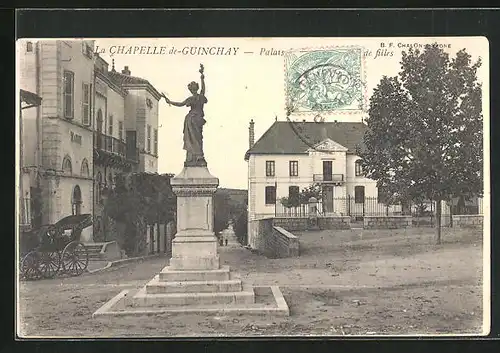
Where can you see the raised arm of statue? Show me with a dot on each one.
(177, 104)
(202, 92)
(202, 78)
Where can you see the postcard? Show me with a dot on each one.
(247, 187)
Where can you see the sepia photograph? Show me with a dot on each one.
(252, 187)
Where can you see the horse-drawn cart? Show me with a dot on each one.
(55, 248)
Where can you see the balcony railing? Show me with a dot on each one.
(115, 146)
(328, 178)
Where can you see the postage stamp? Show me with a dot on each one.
(325, 80)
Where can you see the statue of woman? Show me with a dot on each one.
(193, 123)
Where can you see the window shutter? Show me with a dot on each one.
(82, 104)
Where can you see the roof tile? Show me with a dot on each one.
(282, 138)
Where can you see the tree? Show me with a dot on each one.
(221, 210)
(313, 190)
(424, 136)
(138, 200)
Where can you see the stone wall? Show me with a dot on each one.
(271, 240)
(257, 229)
(291, 224)
(281, 243)
(300, 224)
(468, 221)
(387, 222)
(339, 222)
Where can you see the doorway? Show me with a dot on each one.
(76, 201)
(327, 171)
(327, 192)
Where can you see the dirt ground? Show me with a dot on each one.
(353, 282)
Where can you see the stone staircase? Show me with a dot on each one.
(103, 251)
(194, 287)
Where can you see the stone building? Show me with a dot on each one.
(92, 123)
(281, 164)
(57, 135)
(141, 116)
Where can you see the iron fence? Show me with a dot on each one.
(371, 206)
(112, 144)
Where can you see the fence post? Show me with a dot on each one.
(451, 214)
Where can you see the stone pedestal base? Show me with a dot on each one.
(194, 276)
(194, 253)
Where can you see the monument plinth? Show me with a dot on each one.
(194, 275)
(195, 244)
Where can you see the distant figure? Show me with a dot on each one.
(193, 123)
(225, 240)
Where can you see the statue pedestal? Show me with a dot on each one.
(194, 281)
(194, 276)
(195, 245)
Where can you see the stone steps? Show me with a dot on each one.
(103, 251)
(94, 251)
(157, 287)
(170, 275)
(144, 298)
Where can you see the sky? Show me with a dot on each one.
(245, 80)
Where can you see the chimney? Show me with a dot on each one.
(126, 71)
(251, 134)
(324, 134)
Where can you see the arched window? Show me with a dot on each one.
(84, 171)
(358, 168)
(76, 201)
(67, 166)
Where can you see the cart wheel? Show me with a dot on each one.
(75, 258)
(30, 266)
(50, 263)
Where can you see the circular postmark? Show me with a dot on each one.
(302, 131)
(324, 80)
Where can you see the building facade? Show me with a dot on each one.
(92, 124)
(282, 164)
(125, 134)
(57, 135)
(141, 116)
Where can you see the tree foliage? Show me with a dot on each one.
(228, 206)
(424, 137)
(221, 210)
(313, 190)
(140, 199)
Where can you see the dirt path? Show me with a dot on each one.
(352, 282)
